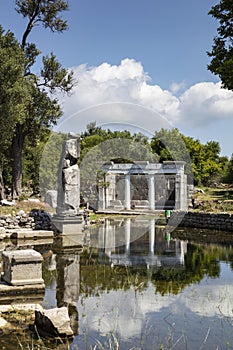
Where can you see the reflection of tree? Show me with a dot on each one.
(199, 261)
(95, 277)
(48, 276)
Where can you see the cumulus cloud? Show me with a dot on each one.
(204, 103)
(124, 94)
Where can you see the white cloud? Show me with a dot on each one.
(204, 103)
(176, 87)
(210, 301)
(120, 94)
(124, 94)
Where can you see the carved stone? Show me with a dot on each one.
(68, 199)
(68, 220)
(22, 267)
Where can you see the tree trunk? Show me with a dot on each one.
(17, 150)
(2, 192)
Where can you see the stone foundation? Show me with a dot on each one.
(212, 221)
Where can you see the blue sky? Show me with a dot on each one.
(149, 53)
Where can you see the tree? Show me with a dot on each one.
(229, 171)
(43, 110)
(202, 161)
(170, 145)
(99, 146)
(14, 93)
(48, 164)
(222, 49)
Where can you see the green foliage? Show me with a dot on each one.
(32, 154)
(229, 171)
(203, 161)
(99, 146)
(49, 162)
(45, 12)
(222, 49)
(14, 88)
(27, 108)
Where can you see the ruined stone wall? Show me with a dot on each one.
(36, 220)
(218, 221)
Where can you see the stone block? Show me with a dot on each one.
(31, 234)
(22, 267)
(54, 322)
(70, 225)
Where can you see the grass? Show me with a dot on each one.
(25, 205)
(216, 199)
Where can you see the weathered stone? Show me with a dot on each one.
(22, 267)
(54, 322)
(72, 146)
(31, 234)
(51, 198)
(2, 232)
(68, 199)
(7, 203)
(67, 219)
(5, 325)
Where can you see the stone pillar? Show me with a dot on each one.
(127, 236)
(127, 191)
(110, 191)
(68, 197)
(181, 201)
(151, 192)
(101, 202)
(152, 235)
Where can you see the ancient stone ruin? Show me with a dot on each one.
(68, 198)
(68, 220)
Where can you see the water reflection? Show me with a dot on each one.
(138, 287)
(153, 247)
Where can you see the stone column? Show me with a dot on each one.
(127, 191)
(151, 192)
(181, 202)
(101, 203)
(152, 235)
(127, 236)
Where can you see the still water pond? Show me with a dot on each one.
(137, 287)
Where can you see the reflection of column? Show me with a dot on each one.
(67, 279)
(127, 236)
(183, 251)
(101, 237)
(151, 192)
(109, 237)
(127, 191)
(152, 235)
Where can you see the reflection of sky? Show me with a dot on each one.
(129, 314)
